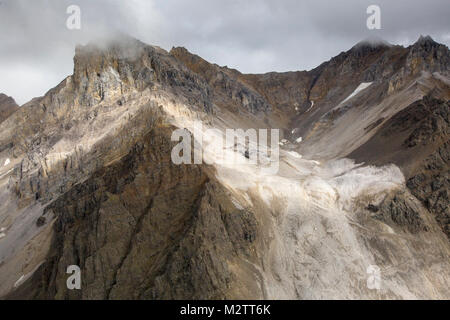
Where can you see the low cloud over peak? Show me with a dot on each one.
(251, 36)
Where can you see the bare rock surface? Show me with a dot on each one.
(7, 107)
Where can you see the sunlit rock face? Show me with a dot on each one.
(87, 179)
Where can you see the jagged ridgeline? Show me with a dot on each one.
(87, 179)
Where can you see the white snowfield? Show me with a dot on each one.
(361, 87)
(294, 154)
(312, 105)
(19, 281)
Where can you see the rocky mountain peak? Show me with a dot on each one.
(6, 99)
(112, 67)
(426, 45)
(367, 49)
(426, 54)
(192, 61)
(426, 40)
(100, 56)
(371, 43)
(7, 106)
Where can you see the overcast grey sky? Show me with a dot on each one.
(36, 48)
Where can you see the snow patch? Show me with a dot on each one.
(360, 88)
(299, 139)
(7, 161)
(19, 282)
(295, 154)
(312, 105)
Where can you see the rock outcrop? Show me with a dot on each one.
(7, 107)
(417, 140)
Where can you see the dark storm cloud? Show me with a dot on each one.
(253, 36)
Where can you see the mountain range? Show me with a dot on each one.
(87, 179)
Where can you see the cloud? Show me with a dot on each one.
(253, 36)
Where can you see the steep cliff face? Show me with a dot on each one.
(431, 185)
(426, 54)
(143, 227)
(89, 179)
(229, 92)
